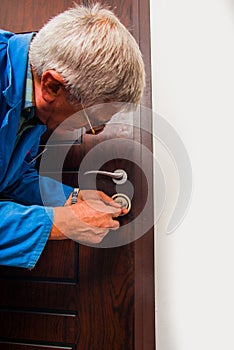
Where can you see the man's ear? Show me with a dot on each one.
(52, 85)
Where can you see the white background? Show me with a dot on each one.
(193, 89)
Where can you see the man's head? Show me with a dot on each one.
(96, 58)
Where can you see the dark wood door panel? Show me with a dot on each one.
(107, 308)
(103, 301)
(24, 345)
(58, 263)
(26, 295)
(91, 298)
(21, 16)
(47, 326)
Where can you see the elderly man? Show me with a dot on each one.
(82, 57)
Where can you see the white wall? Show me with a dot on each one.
(193, 88)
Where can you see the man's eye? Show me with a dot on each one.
(97, 129)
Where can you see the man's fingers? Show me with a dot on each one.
(108, 200)
(124, 211)
(102, 207)
(115, 225)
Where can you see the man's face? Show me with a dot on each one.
(54, 109)
(92, 118)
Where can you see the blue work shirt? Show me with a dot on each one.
(25, 224)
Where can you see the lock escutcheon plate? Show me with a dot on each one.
(123, 200)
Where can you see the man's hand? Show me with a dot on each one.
(87, 221)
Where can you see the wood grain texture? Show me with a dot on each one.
(107, 283)
(26, 345)
(21, 16)
(58, 262)
(49, 327)
(109, 291)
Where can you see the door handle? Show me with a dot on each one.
(119, 176)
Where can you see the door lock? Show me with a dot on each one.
(123, 200)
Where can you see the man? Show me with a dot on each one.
(80, 58)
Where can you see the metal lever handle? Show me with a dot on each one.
(119, 176)
(114, 175)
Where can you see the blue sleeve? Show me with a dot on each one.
(4, 37)
(24, 232)
(28, 187)
(31, 189)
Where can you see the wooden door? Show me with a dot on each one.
(80, 297)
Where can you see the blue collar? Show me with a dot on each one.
(18, 47)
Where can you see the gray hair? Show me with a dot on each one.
(95, 54)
